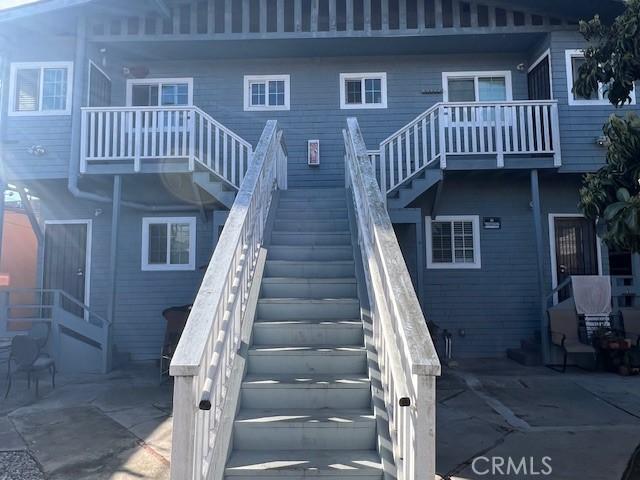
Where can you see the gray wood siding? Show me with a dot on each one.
(51, 132)
(315, 99)
(497, 305)
(579, 125)
(141, 296)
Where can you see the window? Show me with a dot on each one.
(168, 243)
(40, 88)
(266, 92)
(477, 86)
(453, 242)
(166, 92)
(363, 90)
(574, 60)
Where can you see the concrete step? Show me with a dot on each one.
(313, 193)
(310, 252)
(299, 391)
(306, 360)
(310, 204)
(308, 308)
(311, 269)
(280, 287)
(303, 429)
(295, 464)
(525, 357)
(309, 332)
(311, 214)
(310, 238)
(341, 225)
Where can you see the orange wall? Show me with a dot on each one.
(19, 260)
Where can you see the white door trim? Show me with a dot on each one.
(552, 249)
(87, 263)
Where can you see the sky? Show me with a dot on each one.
(4, 4)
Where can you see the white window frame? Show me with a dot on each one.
(41, 66)
(146, 266)
(475, 221)
(382, 76)
(252, 79)
(508, 82)
(159, 82)
(576, 102)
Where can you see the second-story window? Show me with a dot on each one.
(165, 92)
(477, 86)
(266, 92)
(574, 60)
(363, 90)
(42, 88)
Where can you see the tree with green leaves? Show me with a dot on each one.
(612, 195)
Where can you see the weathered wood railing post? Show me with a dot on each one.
(406, 355)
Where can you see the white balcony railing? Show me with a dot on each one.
(208, 349)
(496, 129)
(135, 136)
(406, 356)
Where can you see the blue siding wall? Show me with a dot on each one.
(497, 305)
(51, 132)
(141, 296)
(580, 125)
(315, 99)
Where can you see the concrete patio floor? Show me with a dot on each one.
(91, 427)
(588, 424)
(118, 426)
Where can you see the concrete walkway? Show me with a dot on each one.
(91, 427)
(118, 426)
(587, 424)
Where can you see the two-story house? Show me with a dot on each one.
(135, 124)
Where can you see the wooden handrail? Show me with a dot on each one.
(408, 359)
(208, 347)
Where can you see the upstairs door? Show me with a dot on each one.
(66, 261)
(576, 250)
(539, 80)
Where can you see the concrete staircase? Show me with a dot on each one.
(305, 407)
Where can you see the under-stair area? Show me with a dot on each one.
(305, 402)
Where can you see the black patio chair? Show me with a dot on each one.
(25, 355)
(176, 318)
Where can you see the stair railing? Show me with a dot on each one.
(134, 135)
(207, 351)
(22, 307)
(468, 129)
(410, 150)
(406, 354)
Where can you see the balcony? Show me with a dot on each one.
(515, 134)
(161, 139)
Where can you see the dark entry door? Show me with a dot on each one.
(576, 251)
(65, 261)
(539, 81)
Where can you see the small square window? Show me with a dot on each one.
(363, 90)
(453, 242)
(168, 243)
(266, 92)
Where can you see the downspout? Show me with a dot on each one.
(79, 79)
